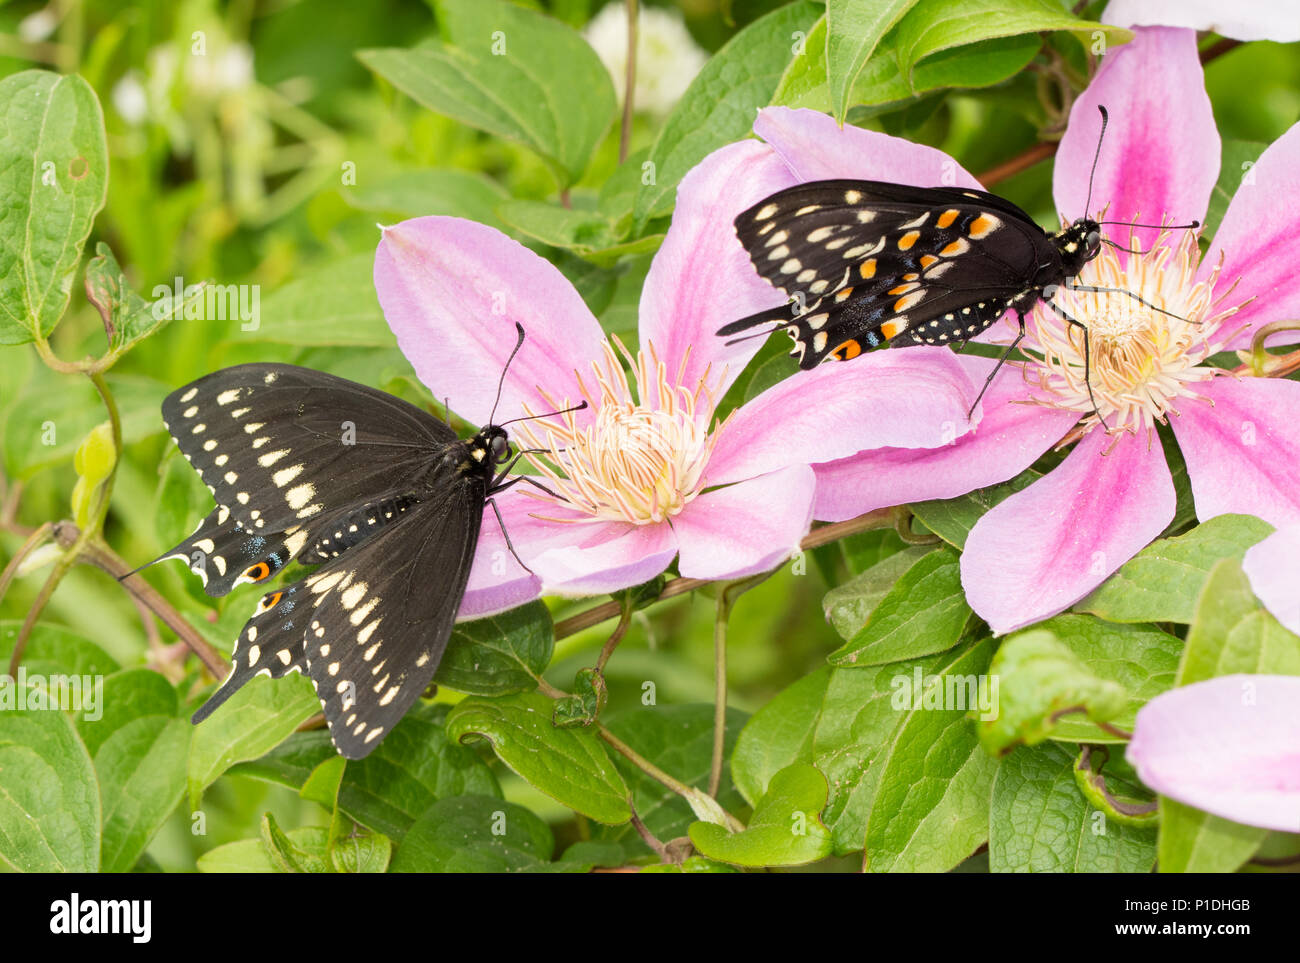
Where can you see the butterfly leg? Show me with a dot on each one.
(506, 535)
(1087, 357)
(1020, 336)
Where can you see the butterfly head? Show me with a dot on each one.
(491, 446)
(1078, 244)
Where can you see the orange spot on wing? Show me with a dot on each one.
(273, 600)
(848, 350)
(927, 260)
(982, 225)
(959, 246)
(902, 289)
(907, 240)
(891, 328)
(947, 217)
(867, 269)
(258, 572)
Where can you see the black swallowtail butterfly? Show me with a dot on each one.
(382, 496)
(870, 264)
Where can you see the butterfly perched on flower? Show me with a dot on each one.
(383, 497)
(869, 264)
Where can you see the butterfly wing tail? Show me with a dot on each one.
(781, 314)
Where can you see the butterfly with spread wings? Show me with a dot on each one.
(383, 497)
(869, 264)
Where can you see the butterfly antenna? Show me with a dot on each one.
(502, 383)
(547, 414)
(1105, 119)
(1159, 227)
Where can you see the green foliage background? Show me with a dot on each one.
(357, 113)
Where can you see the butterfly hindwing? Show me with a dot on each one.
(382, 614)
(224, 554)
(271, 642)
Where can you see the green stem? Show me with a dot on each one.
(727, 597)
(629, 95)
(34, 541)
(100, 511)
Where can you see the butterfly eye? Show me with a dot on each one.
(500, 448)
(1092, 242)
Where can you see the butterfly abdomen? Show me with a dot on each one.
(356, 526)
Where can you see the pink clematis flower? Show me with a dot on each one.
(1239, 19)
(1046, 547)
(643, 473)
(1273, 567)
(1229, 746)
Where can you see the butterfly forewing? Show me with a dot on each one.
(266, 438)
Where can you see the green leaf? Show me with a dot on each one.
(925, 612)
(322, 784)
(54, 650)
(692, 864)
(500, 654)
(1141, 659)
(49, 797)
(588, 234)
(290, 857)
(141, 771)
(569, 765)
(256, 719)
(582, 708)
(474, 834)
(125, 696)
(936, 25)
(54, 178)
(931, 805)
(128, 318)
(417, 193)
(718, 107)
(953, 518)
(679, 740)
(331, 305)
(848, 606)
(250, 855)
(362, 853)
(1039, 822)
(1038, 677)
(1230, 633)
(1162, 582)
(785, 830)
(414, 767)
(853, 29)
(514, 73)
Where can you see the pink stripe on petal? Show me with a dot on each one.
(1161, 152)
(1008, 439)
(816, 148)
(702, 278)
(1260, 245)
(1243, 454)
(1229, 746)
(1044, 548)
(1273, 567)
(452, 290)
(747, 528)
(605, 557)
(914, 397)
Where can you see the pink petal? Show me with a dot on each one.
(1009, 438)
(497, 582)
(1241, 21)
(816, 148)
(914, 397)
(1161, 152)
(599, 557)
(1259, 243)
(1229, 746)
(1243, 454)
(702, 278)
(1044, 548)
(1273, 567)
(747, 528)
(452, 291)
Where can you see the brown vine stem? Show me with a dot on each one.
(823, 535)
(1022, 161)
(101, 556)
(34, 541)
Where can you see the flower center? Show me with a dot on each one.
(1141, 358)
(641, 456)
